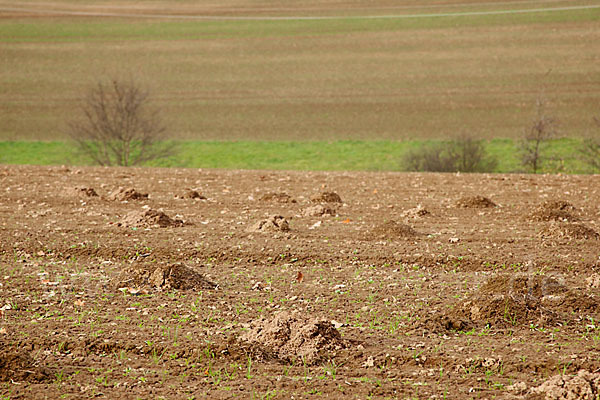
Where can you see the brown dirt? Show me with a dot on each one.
(174, 276)
(553, 215)
(278, 197)
(518, 299)
(18, 367)
(554, 210)
(326, 197)
(568, 231)
(393, 230)
(81, 192)
(178, 276)
(480, 303)
(561, 205)
(148, 218)
(475, 202)
(294, 338)
(275, 223)
(416, 212)
(583, 386)
(190, 194)
(126, 194)
(593, 281)
(318, 211)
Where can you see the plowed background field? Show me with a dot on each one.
(418, 285)
(306, 70)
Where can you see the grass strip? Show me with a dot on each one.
(83, 29)
(343, 155)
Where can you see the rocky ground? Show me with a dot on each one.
(173, 283)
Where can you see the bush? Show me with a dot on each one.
(463, 154)
(590, 148)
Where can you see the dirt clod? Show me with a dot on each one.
(179, 276)
(593, 281)
(583, 386)
(554, 210)
(173, 276)
(416, 212)
(561, 205)
(148, 218)
(19, 366)
(475, 202)
(190, 194)
(274, 223)
(393, 230)
(82, 192)
(510, 299)
(318, 210)
(326, 197)
(278, 197)
(126, 194)
(568, 231)
(292, 337)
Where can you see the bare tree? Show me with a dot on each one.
(590, 148)
(533, 144)
(118, 126)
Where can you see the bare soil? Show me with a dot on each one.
(278, 197)
(398, 293)
(556, 210)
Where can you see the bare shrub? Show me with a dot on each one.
(118, 126)
(533, 144)
(430, 157)
(463, 154)
(590, 148)
(470, 155)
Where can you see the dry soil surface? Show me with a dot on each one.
(416, 285)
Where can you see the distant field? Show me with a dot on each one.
(407, 77)
(372, 155)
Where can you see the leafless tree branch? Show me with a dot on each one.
(532, 146)
(118, 127)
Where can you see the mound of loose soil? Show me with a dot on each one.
(275, 223)
(174, 276)
(19, 366)
(326, 197)
(393, 230)
(583, 386)
(417, 212)
(149, 217)
(554, 210)
(294, 338)
(523, 299)
(561, 205)
(318, 211)
(278, 197)
(126, 194)
(568, 231)
(190, 194)
(593, 281)
(82, 192)
(553, 215)
(178, 276)
(475, 202)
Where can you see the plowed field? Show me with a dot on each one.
(172, 283)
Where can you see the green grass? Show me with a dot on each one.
(86, 29)
(321, 155)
